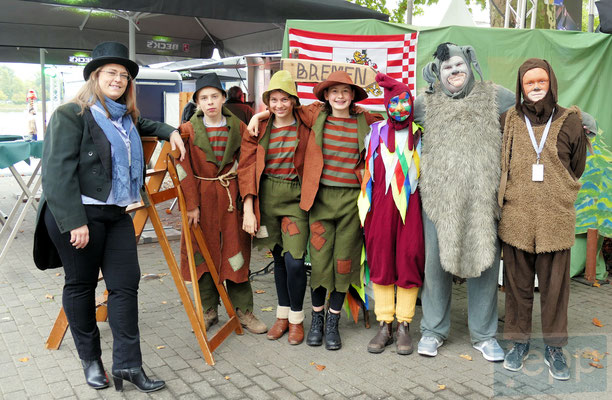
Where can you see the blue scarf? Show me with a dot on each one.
(120, 131)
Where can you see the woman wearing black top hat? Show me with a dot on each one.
(92, 169)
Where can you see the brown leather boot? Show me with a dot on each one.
(403, 342)
(383, 338)
(249, 321)
(296, 333)
(278, 329)
(210, 317)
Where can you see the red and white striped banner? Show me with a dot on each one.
(394, 55)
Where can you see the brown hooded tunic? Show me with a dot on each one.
(539, 217)
(229, 245)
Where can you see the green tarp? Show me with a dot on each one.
(582, 61)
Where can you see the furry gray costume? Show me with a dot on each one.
(460, 170)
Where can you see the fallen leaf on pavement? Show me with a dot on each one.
(266, 309)
(319, 367)
(168, 211)
(147, 277)
(259, 291)
(441, 387)
(596, 284)
(58, 274)
(312, 363)
(227, 378)
(597, 323)
(49, 296)
(24, 359)
(593, 355)
(596, 365)
(469, 358)
(268, 254)
(164, 302)
(161, 347)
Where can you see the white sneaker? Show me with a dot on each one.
(490, 349)
(428, 346)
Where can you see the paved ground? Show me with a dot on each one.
(250, 366)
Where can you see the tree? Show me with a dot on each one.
(18, 98)
(399, 13)
(3, 96)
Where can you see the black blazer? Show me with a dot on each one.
(76, 160)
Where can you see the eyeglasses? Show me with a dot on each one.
(114, 74)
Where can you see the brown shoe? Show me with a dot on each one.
(296, 333)
(210, 317)
(383, 338)
(249, 321)
(404, 341)
(281, 325)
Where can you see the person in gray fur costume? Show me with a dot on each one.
(460, 173)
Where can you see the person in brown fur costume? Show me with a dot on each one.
(543, 156)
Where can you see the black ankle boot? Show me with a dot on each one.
(315, 334)
(332, 336)
(94, 373)
(138, 377)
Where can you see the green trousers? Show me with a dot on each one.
(285, 222)
(336, 239)
(241, 294)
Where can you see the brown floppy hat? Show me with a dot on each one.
(339, 78)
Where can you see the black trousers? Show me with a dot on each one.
(290, 279)
(112, 249)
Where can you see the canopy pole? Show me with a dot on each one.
(591, 15)
(43, 90)
(507, 15)
(409, 7)
(132, 38)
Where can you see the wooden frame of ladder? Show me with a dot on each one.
(165, 165)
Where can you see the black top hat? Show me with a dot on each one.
(110, 53)
(208, 80)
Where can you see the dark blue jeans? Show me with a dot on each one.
(112, 250)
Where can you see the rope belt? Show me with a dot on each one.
(224, 180)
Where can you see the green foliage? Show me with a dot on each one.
(594, 202)
(399, 13)
(14, 89)
(17, 98)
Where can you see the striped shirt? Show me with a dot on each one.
(281, 151)
(218, 140)
(340, 152)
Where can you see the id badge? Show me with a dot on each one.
(537, 172)
(262, 233)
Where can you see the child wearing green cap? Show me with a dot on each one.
(269, 176)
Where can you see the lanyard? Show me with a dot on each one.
(538, 149)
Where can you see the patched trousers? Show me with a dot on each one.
(437, 289)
